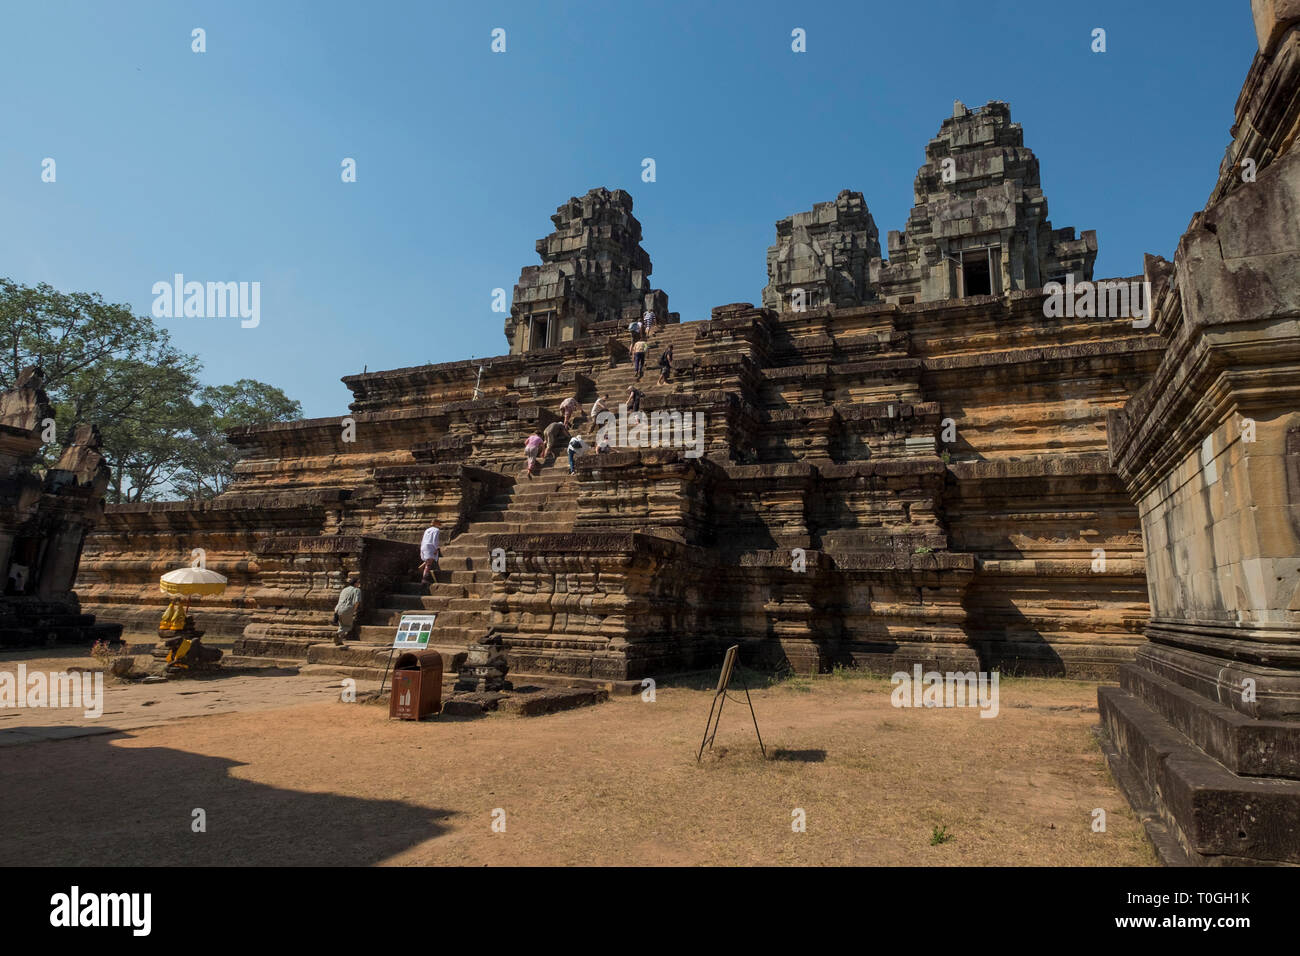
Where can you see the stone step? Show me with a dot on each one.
(451, 612)
(352, 654)
(557, 503)
(369, 654)
(274, 648)
(449, 633)
(386, 613)
(440, 579)
(534, 526)
(372, 674)
(402, 602)
(243, 660)
(341, 671)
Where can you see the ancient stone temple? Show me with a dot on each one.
(979, 226)
(821, 257)
(593, 271)
(862, 480)
(1204, 731)
(44, 521)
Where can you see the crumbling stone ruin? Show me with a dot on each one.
(594, 277)
(979, 226)
(44, 521)
(1203, 732)
(821, 258)
(861, 481)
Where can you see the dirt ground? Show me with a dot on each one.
(315, 781)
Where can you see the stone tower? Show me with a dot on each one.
(979, 226)
(822, 257)
(593, 270)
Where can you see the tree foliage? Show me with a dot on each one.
(163, 432)
(209, 470)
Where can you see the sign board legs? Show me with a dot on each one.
(720, 698)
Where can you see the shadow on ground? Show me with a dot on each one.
(799, 756)
(85, 802)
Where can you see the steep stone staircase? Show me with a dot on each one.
(614, 381)
(462, 591)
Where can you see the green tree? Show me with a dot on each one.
(69, 333)
(103, 365)
(210, 463)
(146, 417)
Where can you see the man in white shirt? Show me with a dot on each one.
(430, 548)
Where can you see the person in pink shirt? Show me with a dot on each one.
(569, 407)
(532, 448)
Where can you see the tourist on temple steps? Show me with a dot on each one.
(569, 407)
(638, 358)
(635, 329)
(648, 322)
(603, 446)
(665, 366)
(633, 400)
(576, 447)
(597, 407)
(345, 612)
(430, 549)
(531, 448)
(557, 436)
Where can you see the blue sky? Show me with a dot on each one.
(225, 165)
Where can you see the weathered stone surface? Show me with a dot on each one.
(551, 700)
(44, 522)
(821, 257)
(593, 271)
(1273, 18)
(1205, 727)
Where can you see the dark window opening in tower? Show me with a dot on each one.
(977, 278)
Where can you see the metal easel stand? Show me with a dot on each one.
(719, 700)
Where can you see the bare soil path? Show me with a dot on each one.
(286, 781)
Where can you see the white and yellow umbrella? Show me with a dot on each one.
(191, 581)
(187, 583)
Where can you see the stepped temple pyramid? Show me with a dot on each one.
(907, 464)
(913, 459)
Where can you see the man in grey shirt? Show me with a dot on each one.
(345, 612)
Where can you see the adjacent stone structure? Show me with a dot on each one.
(1204, 731)
(593, 271)
(44, 521)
